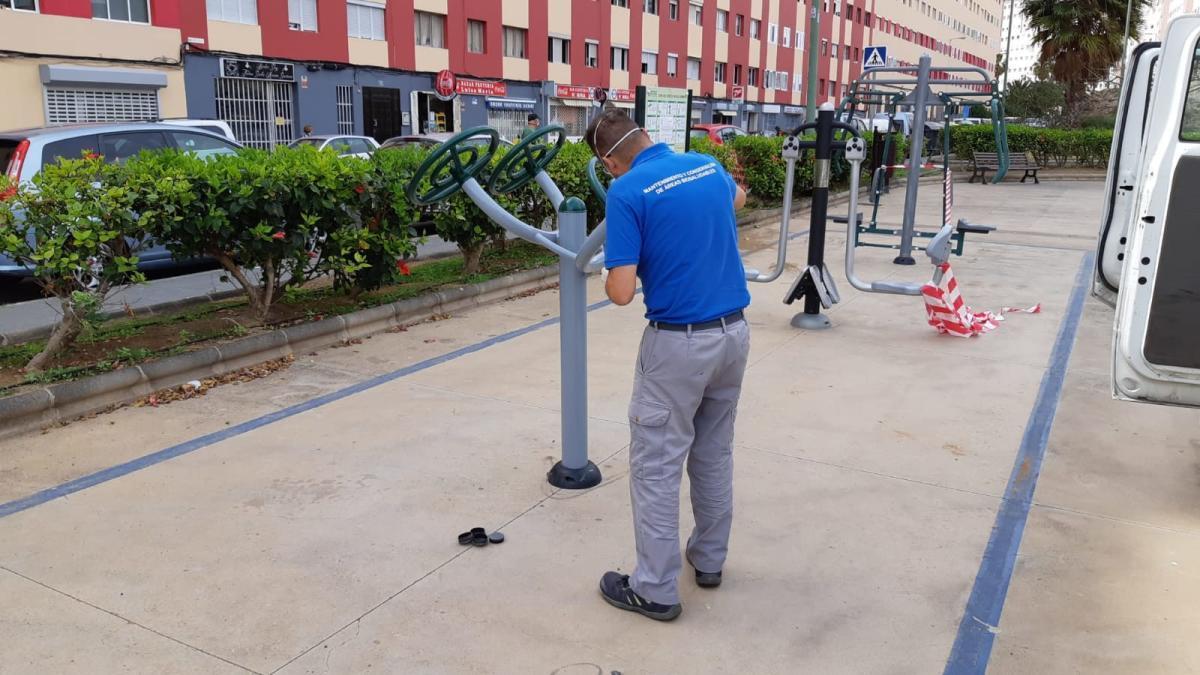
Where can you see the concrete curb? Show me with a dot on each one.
(65, 401)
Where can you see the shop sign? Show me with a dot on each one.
(572, 91)
(250, 69)
(443, 84)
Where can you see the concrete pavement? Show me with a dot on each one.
(285, 536)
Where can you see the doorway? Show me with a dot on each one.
(434, 115)
(381, 113)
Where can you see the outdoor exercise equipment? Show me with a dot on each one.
(459, 164)
(815, 285)
(921, 88)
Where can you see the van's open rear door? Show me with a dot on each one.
(1157, 346)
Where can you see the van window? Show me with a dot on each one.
(70, 148)
(1190, 128)
(120, 147)
(202, 145)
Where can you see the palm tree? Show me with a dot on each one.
(1081, 40)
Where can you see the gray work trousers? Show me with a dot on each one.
(685, 397)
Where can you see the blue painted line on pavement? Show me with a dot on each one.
(977, 630)
(114, 472)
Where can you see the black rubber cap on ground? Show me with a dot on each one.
(496, 537)
(465, 538)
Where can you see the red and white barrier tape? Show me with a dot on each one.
(950, 315)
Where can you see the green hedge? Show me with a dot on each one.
(757, 163)
(1049, 147)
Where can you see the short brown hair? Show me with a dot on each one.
(606, 129)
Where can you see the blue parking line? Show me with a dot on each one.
(114, 472)
(977, 630)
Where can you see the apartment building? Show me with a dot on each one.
(270, 67)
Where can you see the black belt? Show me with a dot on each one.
(715, 323)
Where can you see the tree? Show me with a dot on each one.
(1033, 98)
(1081, 41)
(76, 228)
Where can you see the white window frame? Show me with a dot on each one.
(673, 10)
(781, 80)
(797, 82)
(650, 7)
(618, 56)
(375, 9)
(564, 49)
(755, 29)
(723, 20)
(482, 25)
(437, 40)
(245, 11)
(591, 53)
(128, 9)
(719, 72)
(299, 18)
(787, 37)
(672, 65)
(690, 61)
(650, 67)
(773, 33)
(514, 35)
(739, 24)
(696, 13)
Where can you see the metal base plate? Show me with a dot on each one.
(574, 479)
(811, 321)
(905, 260)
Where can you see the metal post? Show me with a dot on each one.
(575, 471)
(1008, 46)
(815, 284)
(814, 42)
(917, 141)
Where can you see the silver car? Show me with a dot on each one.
(346, 146)
(23, 154)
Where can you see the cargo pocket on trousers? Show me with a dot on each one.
(648, 426)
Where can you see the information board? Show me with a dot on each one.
(665, 114)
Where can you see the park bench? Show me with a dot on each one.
(990, 161)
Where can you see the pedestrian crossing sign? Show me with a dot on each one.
(875, 57)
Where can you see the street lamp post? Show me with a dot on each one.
(1008, 46)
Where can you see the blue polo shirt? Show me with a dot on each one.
(672, 215)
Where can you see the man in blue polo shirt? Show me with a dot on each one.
(671, 223)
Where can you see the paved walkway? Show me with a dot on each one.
(306, 522)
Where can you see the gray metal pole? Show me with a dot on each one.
(814, 42)
(1125, 42)
(917, 141)
(575, 471)
(1008, 46)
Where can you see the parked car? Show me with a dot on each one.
(718, 133)
(218, 127)
(429, 140)
(23, 153)
(346, 146)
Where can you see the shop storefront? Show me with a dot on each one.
(574, 106)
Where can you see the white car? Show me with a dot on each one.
(346, 146)
(218, 127)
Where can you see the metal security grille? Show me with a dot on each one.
(573, 119)
(65, 105)
(510, 123)
(259, 112)
(345, 109)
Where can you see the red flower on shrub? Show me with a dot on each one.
(92, 155)
(403, 267)
(360, 189)
(278, 235)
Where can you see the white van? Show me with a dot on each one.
(1149, 243)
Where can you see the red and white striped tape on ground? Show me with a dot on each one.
(950, 315)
